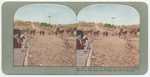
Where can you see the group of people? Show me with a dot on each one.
(19, 40)
(32, 32)
(42, 32)
(16, 38)
(80, 39)
(105, 33)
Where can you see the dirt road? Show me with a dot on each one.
(114, 51)
(49, 50)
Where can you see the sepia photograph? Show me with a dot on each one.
(108, 36)
(45, 35)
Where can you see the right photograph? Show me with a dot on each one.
(108, 35)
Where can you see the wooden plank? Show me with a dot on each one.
(83, 56)
(26, 56)
(89, 56)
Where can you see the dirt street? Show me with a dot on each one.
(115, 51)
(49, 50)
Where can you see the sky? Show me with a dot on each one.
(39, 12)
(103, 13)
(98, 13)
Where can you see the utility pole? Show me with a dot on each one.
(49, 19)
(113, 21)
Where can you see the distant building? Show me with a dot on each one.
(101, 25)
(22, 23)
(85, 24)
(37, 24)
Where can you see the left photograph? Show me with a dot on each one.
(44, 35)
